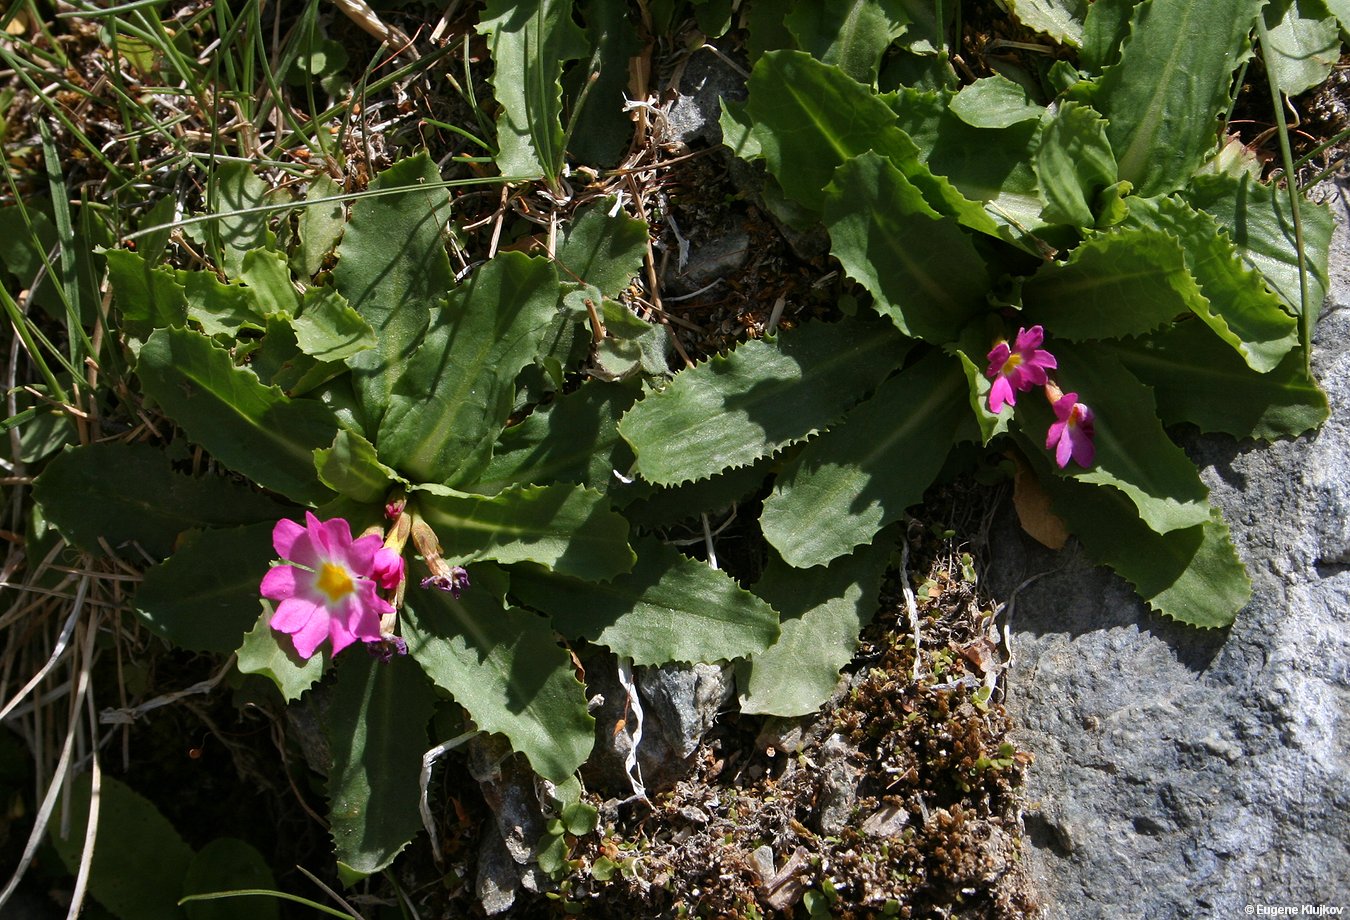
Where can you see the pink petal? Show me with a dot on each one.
(337, 534)
(1064, 449)
(308, 639)
(1084, 451)
(365, 608)
(361, 554)
(1033, 374)
(1053, 435)
(998, 356)
(283, 581)
(1001, 392)
(1028, 339)
(294, 613)
(341, 636)
(293, 542)
(387, 569)
(1063, 406)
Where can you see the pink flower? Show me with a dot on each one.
(388, 568)
(1018, 368)
(329, 591)
(1071, 435)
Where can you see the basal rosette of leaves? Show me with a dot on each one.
(385, 386)
(1094, 204)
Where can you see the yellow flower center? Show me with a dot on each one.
(1011, 364)
(334, 581)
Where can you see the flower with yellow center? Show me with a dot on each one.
(329, 589)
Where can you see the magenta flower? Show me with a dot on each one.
(1020, 367)
(1071, 435)
(329, 591)
(388, 568)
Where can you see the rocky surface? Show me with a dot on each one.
(1182, 773)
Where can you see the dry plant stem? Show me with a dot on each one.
(424, 783)
(61, 775)
(911, 605)
(91, 827)
(653, 285)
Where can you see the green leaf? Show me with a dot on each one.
(632, 346)
(602, 251)
(219, 308)
(669, 608)
(376, 728)
(810, 118)
(351, 468)
(850, 34)
(230, 864)
(564, 527)
(1105, 28)
(252, 429)
(320, 226)
(149, 297)
(994, 102)
(1192, 574)
(1197, 378)
(732, 410)
(648, 506)
(455, 396)
(1134, 454)
(972, 350)
(1259, 223)
(505, 667)
(138, 867)
(1074, 164)
(1304, 43)
(575, 438)
(1162, 98)
(1237, 306)
(234, 190)
(529, 40)
(124, 492)
(822, 615)
(265, 271)
(329, 329)
(205, 596)
(1127, 282)
(863, 473)
(271, 654)
(601, 129)
(391, 267)
(920, 267)
(1062, 20)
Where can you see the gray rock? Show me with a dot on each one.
(838, 785)
(683, 700)
(680, 702)
(508, 789)
(1185, 773)
(693, 115)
